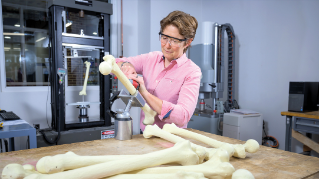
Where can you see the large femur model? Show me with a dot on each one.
(83, 92)
(109, 66)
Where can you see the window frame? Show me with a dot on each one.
(3, 84)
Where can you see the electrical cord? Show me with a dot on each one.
(27, 144)
(208, 106)
(235, 104)
(46, 104)
(6, 145)
(1, 146)
(219, 123)
(267, 140)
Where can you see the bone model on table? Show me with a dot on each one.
(217, 166)
(83, 92)
(17, 171)
(250, 146)
(180, 153)
(70, 160)
(109, 66)
(202, 152)
(176, 175)
(242, 173)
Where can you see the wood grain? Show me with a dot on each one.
(305, 140)
(266, 163)
(312, 114)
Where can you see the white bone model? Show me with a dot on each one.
(217, 166)
(109, 66)
(202, 152)
(181, 153)
(70, 160)
(250, 146)
(176, 175)
(83, 92)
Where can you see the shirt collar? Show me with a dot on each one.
(180, 61)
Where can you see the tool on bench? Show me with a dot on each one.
(122, 119)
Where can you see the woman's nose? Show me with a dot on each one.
(168, 44)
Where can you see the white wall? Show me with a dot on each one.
(277, 44)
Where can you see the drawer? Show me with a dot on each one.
(306, 125)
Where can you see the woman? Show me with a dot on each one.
(170, 82)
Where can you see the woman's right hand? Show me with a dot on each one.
(128, 69)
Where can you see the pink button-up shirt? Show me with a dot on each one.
(176, 85)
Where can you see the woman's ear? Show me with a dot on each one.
(188, 42)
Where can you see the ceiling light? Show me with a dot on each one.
(68, 24)
(42, 38)
(7, 33)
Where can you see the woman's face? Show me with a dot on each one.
(172, 52)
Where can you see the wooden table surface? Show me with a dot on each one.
(266, 163)
(311, 114)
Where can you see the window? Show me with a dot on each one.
(77, 69)
(25, 36)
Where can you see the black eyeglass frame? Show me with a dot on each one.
(182, 40)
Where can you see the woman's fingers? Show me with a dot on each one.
(128, 70)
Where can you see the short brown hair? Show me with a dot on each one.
(185, 23)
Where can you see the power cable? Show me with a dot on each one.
(269, 140)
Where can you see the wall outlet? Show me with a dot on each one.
(36, 126)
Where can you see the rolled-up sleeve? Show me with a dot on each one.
(181, 112)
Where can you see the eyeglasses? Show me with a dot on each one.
(174, 42)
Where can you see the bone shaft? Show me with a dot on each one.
(86, 77)
(199, 137)
(153, 176)
(169, 155)
(210, 170)
(83, 161)
(120, 75)
(149, 115)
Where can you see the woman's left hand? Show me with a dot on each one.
(140, 80)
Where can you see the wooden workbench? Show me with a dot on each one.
(311, 114)
(295, 133)
(266, 163)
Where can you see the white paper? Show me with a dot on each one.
(243, 111)
(14, 122)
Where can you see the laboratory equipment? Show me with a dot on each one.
(243, 126)
(209, 56)
(303, 96)
(79, 39)
(123, 121)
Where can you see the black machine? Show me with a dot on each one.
(79, 33)
(303, 96)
